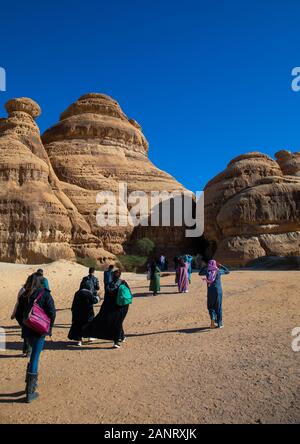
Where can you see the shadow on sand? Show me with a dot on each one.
(8, 398)
(183, 330)
(58, 345)
(150, 294)
(147, 286)
(70, 346)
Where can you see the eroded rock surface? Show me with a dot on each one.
(95, 147)
(49, 186)
(252, 208)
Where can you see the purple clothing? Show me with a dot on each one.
(212, 270)
(183, 278)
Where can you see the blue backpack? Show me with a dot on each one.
(124, 296)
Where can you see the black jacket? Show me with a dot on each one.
(93, 281)
(47, 304)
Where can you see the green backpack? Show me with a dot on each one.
(124, 296)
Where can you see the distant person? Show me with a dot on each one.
(213, 273)
(166, 264)
(21, 309)
(183, 278)
(40, 272)
(188, 259)
(154, 278)
(176, 265)
(93, 280)
(107, 276)
(82, 311)
(176, 261)
(108, 324)
(163, 263)
(42, 297)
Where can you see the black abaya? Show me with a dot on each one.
(108, 324)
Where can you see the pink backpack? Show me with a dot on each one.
(37, 319)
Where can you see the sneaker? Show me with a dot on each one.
(116, 345)
(220, 326)
(122, 340)
(79, 344)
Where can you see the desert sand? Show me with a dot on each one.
(172, 369)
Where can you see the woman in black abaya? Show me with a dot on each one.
(108, 324)
(82, 311)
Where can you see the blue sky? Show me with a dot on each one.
(207, 80)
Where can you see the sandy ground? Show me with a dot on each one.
(172, 369)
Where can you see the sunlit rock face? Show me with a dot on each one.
(38, 222)
(49, 185)
(252, 208)
(95, 147)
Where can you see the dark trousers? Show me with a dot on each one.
(119, 329)
(214, 306)
(26, 346)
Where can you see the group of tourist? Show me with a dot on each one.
(35, 309)
(108, 324)
(183, 272)
(35, 306)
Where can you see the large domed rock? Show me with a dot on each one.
(38, 221)
(48, 197)
(252, 208)
(95, 147)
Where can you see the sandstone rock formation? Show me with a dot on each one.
(252, 208)
(49, 187)
(95, 147)
(289, 162)
(38, 221)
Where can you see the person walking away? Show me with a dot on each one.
(107, 276)
(82, 311)
(42, 297)
(213, 273)
(20, 310)
(183, 278)
(162, 262)
(94, 281)
(108, 323)
(176, 266)
(188, 259)
(40, 272)
(166, 264)
(154, 278)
